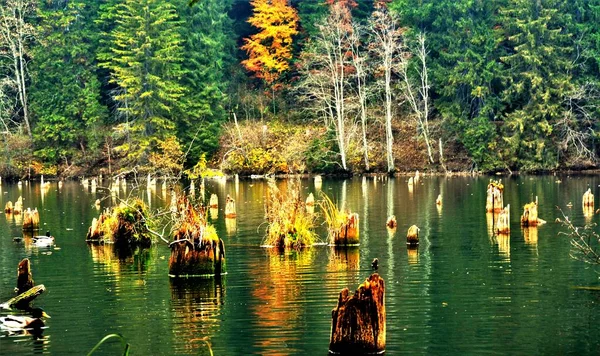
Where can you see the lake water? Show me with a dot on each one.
(463, 291)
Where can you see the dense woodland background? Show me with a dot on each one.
(276, 86)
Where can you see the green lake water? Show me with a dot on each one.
(463, 292)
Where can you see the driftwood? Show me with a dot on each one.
(494, 201)
(359, 321)
(588, 198)
(412, 236)
(24, 276)
(22, 300)
(31, 220)
(230, 212)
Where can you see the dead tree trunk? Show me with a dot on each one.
(359, 321)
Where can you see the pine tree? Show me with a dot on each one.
(144, 56)
(66, 121)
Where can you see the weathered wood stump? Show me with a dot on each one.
(24, 276)
(438, 201)
(588, 198)
(412, 236)
(310, 200)
(8, 208)
(31, 220)
(214, 201)
(359, 321)
(530, 215)
(318, 182)
(230, 208)
(196, 249)
(347, 234)
(411, 181)
(18, 206)
(22, 300)
(391, 222)
(503, 221)
(495, 200)
(124, 225)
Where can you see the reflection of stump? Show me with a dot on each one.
(503, 221)
(348, 233)
(391, 222)
(24, 276)
(530, 215)
(588, 198)
(494, 201)
(214, 201)
(413, 254)
(8, 208)
(412, 237)
(230, 208)
(359, 321)
(344, 258)
(31, 220)
(530, 234)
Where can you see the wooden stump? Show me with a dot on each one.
(214, 201)
(24, 276)
(359, 321)
(230, 208)
(18, 207)
(348, 233)
(391, 222)
(412, 237)
(530, 215)
(189, 259)
(31, 220)
(310, 200)
(438, 201)
(8, 208)
(495, 201)
(503, 221)
(588, 198)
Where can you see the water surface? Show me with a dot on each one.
(464, 291)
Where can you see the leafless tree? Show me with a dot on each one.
(15, 36)
(360, 61)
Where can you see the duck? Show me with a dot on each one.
(15, 323)
(43, 241)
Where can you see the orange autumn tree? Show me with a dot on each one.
(270, 50)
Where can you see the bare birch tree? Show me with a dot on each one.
(359, 60)
(325, 71)
(15, 36)
(387, 46)
(417, 95)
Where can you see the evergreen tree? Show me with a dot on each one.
(144, 57)
(65, 91)
(209, 50)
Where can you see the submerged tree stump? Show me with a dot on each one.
(124, 225)
(412, 236)
(438, 201)
(8, 208)
(391, 222)
(494, 202)
(530, 215)
(503, 221)
(347, 233)
(214, 201)
(230, 212)
(359, 321)
(18, 206)
(31, 220)
(24, 276)
(196, 249)
(588, 198)
(310, 200)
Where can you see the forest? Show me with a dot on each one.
(302, 86)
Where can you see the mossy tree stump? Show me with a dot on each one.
(124, 225)
(530, 215)
(495, 201)
(359, 321)
(347, 234)
(196, 249)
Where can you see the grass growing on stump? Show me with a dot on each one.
(125, 224)
(290, 224)
(342, 225)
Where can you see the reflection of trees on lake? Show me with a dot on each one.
(279, 283)
(344, 258)
(114, 259)
(196, 305)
